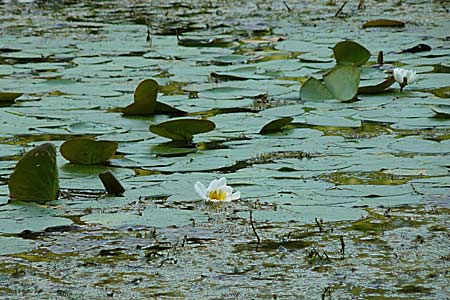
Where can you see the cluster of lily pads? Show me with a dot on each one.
(35, 177)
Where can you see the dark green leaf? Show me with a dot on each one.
(376, 89)
(276, 125)
(145, 97)
(35, 177)
(183, 129)
(350, 53)
(88, 151)
(9, 96)
(383, 23)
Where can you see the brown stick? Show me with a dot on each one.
(253, 227)
(111, 184)
(340, 9)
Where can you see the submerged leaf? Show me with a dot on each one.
(276, 125)
(182, 130)
(35, 177)
(343, 82)
(87, 151)
(350, 53)
(314, 89)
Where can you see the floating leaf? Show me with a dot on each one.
(35, 177)
(276, 125)
(145, 102)
(383, 23)
(376, 89)
(343, 82)
(9, 96)
(187, 42)
(144, 99)
(183, 129)
(314, 89)
(350, 53)
(417, 48)
(87, 151)
(165, 109)
(442, 112)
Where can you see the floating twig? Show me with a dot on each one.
(341, 238)
(340, 9)
(253, 227)
(319, 223)
(287, 6)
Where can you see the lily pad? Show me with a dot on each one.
(378, 88)
(276, 125)
(343, 82)
(88, 151)
(182, 130)
(350, 53)
(144, 99)
(35, 177)
(314, 89)
(9, 96)
(383, 23)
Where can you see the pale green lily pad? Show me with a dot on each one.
(343, 82)
(314, 89)
(13, 245)
(151, 217)
(17, 217)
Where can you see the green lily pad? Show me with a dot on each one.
(144, 99)
(276, 125)
(182, 130)
(383, 23)
(441, 111)
(350, 53)
(88, 151)
(343, 81)
(35, 177)
(9, 96)
(314, 89)
(145, 102)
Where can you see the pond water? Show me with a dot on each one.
(351, 201)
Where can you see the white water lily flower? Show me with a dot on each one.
(404, 77)
(218, 190)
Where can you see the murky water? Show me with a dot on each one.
(349, 202)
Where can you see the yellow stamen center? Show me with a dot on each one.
(217, 195)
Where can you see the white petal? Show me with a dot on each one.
(212, 185)
(227, 189)
(218, 183)
(398, 75)
(235, 196)
(200, 189)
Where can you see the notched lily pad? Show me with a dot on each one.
(9, 96)
(87, 151)
(182, 130)
(145, 101)
(276, 125)
(383, 23)
(35, 177)
(350, 53)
